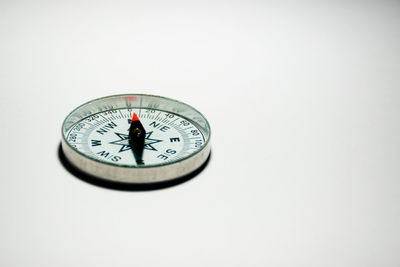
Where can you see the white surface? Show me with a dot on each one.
(303, 100)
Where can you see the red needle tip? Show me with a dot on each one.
(135, 117)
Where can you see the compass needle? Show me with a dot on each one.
(137, 134)
(136, 138)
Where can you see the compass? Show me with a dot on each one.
(136, 138)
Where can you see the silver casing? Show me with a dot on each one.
(133, 174)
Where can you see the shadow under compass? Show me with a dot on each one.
(122, 186)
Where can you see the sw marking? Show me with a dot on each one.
(108, 155)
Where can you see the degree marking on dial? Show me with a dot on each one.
(140, 106)
(188, 128)
(88, 123)
(173, 121)
(105, 119)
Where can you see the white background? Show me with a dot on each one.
(303, 100)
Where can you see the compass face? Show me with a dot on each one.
(136, 138)
(104, 136)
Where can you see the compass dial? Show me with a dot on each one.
(105, 137)
(136, 138)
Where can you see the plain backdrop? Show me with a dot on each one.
(303, 99)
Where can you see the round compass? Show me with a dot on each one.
(136, 138)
